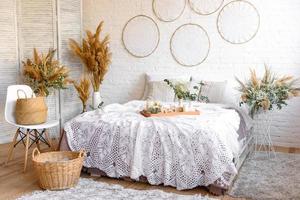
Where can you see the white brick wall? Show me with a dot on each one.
(276, 44)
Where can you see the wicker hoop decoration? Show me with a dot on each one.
(142, 36)
(238, 33)
(205, 7)
(170, 3)
(192, 42)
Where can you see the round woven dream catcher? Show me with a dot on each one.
(238, 22)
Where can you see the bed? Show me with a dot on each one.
(183, 152)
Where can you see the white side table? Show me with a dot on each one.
(263, 141)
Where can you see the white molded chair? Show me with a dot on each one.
(27, 133)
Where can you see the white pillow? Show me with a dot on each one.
(160, 91)
(214, 90)
(159, 77)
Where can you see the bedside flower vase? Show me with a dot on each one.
(83, 108)
(97, 100)
(187, 106)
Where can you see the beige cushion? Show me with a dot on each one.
(160, 91)
(214, 90)
(160, 78)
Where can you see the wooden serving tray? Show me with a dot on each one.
(170, 114)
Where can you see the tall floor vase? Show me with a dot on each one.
(262, 128)
(97, 100)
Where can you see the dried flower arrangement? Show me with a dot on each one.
(95, 54)
(44, 73)
(182, 91)
(267, 92)
(83, 90)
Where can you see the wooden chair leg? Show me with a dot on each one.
(62, 133)
(48, 139)
(12, 146)
(37, 142)
(26, 149)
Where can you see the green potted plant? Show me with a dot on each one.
(182, 92)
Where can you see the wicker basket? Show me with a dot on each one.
(58, 170)
(30, 111)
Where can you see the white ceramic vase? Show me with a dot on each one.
(187, 106)
(180, 102)
(97, 100)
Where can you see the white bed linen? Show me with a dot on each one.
(183, 151)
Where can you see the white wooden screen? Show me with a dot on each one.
(28, 24)
(9, 66)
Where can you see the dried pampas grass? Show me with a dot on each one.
(254, 79)
(95, 54)
(83, 90)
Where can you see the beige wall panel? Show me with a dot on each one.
(69, 25)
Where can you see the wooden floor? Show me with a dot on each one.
(14, 183)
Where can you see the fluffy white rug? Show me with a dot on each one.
(269, 179)
(95, 190)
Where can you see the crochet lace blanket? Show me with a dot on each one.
(183, 152)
